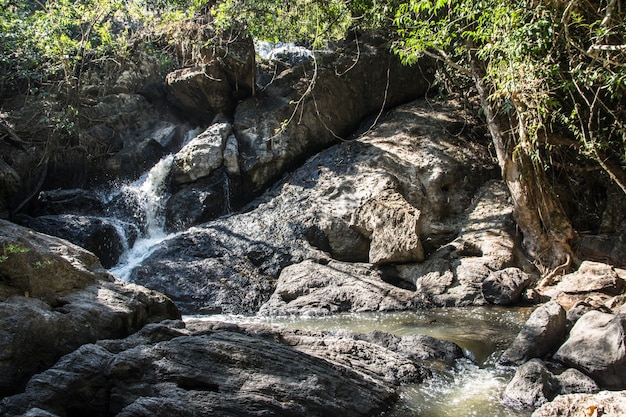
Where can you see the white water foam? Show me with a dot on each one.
(150, 196)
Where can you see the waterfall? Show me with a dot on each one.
(146, 198)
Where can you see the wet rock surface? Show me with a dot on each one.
(220, 369)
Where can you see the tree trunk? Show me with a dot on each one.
(546, 229)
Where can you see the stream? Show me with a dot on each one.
(471, 387)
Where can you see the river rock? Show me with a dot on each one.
(596, 346)
(419, 347)
(220, 370)
(56, 296)
(605, 404)
(189, 206)
(532, 386)
(98, 235)
(572, 381)
(314, 288)
(505, 287)
(70, 201)
(542, 333)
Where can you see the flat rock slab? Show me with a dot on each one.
(220, 369)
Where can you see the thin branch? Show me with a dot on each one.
(444, 58)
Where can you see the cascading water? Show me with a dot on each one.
(147, 196)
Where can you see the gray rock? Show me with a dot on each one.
(55, 297)
(596, 346)
(504, 287)
(590, 277)
(532, 386)
(70, 201)
(572, 381)
(202, 155)
(393, 227)
(99, 235)
(423, 347)
(203, 91)
(542, 333)
(220, 370)
(332, 287)
(605, 404)
(194, 205)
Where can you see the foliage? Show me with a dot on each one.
(11, 249)
(558, 67)
(55, 41)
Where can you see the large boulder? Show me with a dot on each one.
(203, 91)
(99, 235)
(392, 226)
(591, 277)
(532, 386)
(596, 346)
(329, 287)
(219, 69)
(55, 297)
(220, 370)
(505, 286)
(535, 385)
(202, 155)
(542, 333)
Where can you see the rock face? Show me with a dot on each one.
(454, 273)
(232, 264)
(220, 370)
(596, 347)
(351, 84)
(55, 297)
(542, 333)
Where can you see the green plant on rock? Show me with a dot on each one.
(11, 249)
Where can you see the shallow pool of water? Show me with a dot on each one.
(471, 387)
